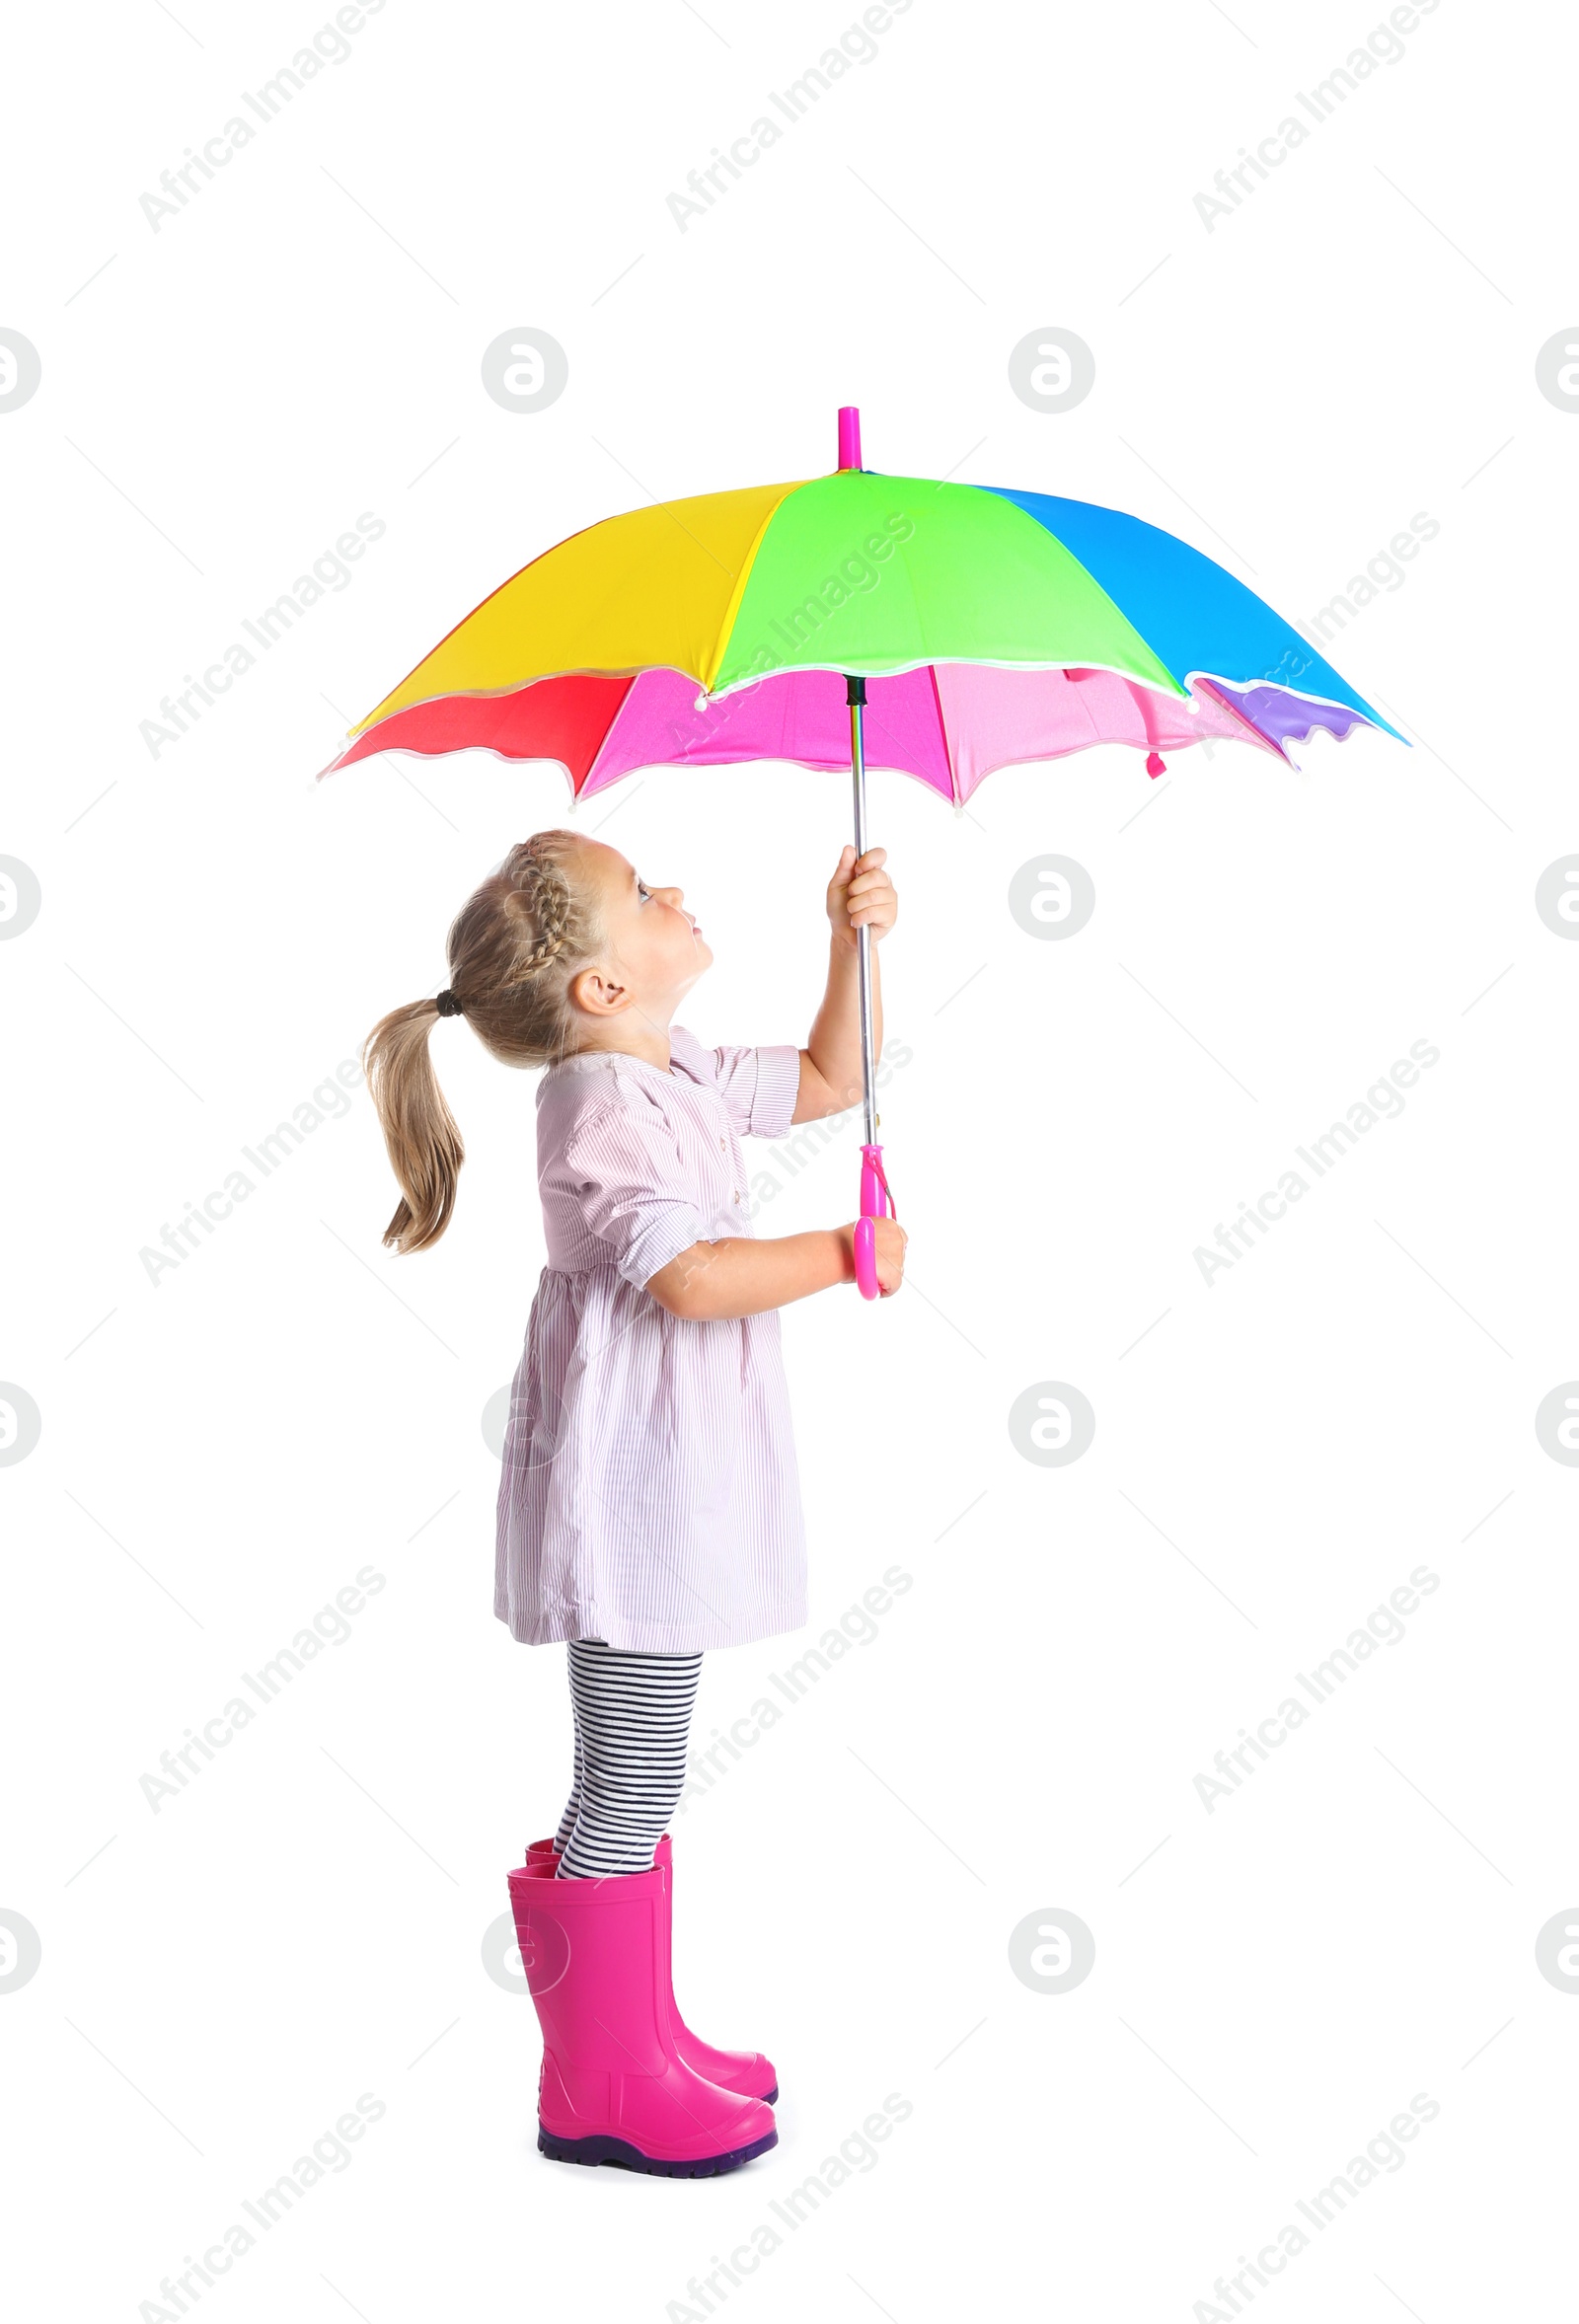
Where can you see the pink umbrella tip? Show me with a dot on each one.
(849, 436)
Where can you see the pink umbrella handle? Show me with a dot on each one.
(876, 1202)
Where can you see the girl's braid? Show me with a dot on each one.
(547, 894)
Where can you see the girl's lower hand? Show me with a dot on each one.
(888, 1251)
(860, 894)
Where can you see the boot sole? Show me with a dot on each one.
(603, 2147)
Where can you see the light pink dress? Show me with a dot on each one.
(649, 1494)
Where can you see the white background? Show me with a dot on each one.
(221, 1452)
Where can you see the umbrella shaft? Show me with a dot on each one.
(858, 767)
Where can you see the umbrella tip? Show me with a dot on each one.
(849, 436)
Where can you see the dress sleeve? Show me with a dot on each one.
(758, 1086)
(625, 1170)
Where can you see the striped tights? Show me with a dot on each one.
(633, 1719)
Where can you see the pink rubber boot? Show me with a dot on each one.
(613, 2088)
(745, 2071)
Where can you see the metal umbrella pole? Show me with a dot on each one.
(856, 694)
(875, 1200)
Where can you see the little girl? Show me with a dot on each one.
(648, 1505)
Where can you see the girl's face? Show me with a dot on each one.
(653, 949)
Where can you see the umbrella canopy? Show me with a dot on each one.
(992, 627)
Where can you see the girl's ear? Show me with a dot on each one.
(595, 993)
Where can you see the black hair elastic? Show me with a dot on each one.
(450, 1004)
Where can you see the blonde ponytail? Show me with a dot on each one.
(419, 1131)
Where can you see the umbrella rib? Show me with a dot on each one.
(604, 739)
(943, 729)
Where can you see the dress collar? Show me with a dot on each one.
(591, 1057)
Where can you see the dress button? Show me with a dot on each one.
(737, 1194)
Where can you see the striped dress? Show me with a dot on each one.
(649, 1495)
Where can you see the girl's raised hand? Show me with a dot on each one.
(860, 894)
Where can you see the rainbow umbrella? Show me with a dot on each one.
(944, 629)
